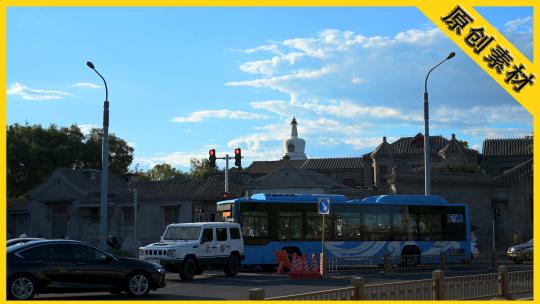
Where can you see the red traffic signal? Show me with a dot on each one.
(238, 157)
(212, 157)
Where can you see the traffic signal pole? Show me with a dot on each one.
(227, 174)
(238, 162)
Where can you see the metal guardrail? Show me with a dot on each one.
(500, 285)
(388, 262)
(332, 294)
(520, 281)
(407, 290)
(471, 287)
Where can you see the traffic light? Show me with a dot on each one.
(238, 157)
(212, 157)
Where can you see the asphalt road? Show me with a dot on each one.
(214, 285)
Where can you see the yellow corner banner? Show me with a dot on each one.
(488, 48)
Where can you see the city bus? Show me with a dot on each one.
(399, 225)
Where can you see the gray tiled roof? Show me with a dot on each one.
(177, 189)
(407, 145)
(385, 149)
(507, 147)
(514, 175)
(90, 180)
(212, 189)
(333, 163)
(454, 146)
(265, 167)
(290, 176)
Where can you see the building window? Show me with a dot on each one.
(349, 182)
(171, 214)
(127, 216)
(383, 170)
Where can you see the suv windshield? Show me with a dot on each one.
(182, 233)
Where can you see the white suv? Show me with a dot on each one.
(189, 247)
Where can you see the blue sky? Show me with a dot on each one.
(182, 80)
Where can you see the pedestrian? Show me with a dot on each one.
(516, 239)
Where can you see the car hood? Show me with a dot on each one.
(133, 261)
(521, 246)
(171, 244)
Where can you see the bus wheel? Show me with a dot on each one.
(410, 257)
(291, 251)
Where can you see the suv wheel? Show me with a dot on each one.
(21, 287)
(138, 284)
(189, 267)
(232, 266)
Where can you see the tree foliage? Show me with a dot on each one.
(200, 168)
(34, 152)
(163, 172)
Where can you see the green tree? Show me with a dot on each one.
(34, 152)
(200, 168)
(120, 153)
(163, 172)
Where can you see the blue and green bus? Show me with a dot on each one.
(400, 225)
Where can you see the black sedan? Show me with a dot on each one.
(65, 266)
(19, 241)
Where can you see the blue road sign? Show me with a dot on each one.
(324, 205)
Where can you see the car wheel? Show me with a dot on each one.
(138, 284)
(21, 287)
(232, 266)
(189, 267)
(200, 270)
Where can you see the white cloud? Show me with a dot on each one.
(519, 24)
(269, 66)
(493, 132)
(86, 128)
(279, 107)
(280, 82)
(483, 114)
(263, 48)
(17, 89)
(175, 159)
(199, 116)
(417, 37)
(87, 85)
(358, 80)
(351, 89)
(366, 143)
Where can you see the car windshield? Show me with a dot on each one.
(182, 233)
(530, 242)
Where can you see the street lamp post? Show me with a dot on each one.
(427, 152)
(104, 165)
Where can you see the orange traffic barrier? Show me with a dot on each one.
(283, 261)
(296, 269)
(313, 271)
